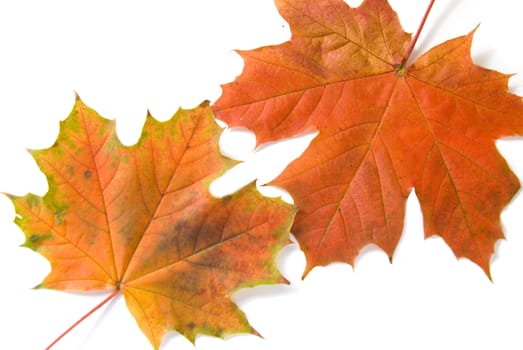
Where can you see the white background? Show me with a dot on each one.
(124, 57)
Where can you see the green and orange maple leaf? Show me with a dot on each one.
(140, 221)
(385, 127)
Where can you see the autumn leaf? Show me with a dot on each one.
(385, 127)
(140, 220)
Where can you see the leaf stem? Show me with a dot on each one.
(105, 301)
(416, 36)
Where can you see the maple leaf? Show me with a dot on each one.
(140, 220)
(385, 127)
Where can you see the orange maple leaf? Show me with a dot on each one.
(385, 127)
(140, 220)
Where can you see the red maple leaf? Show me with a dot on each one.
(385, 127)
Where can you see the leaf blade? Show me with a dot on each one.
(156, 235)
(383, 130)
